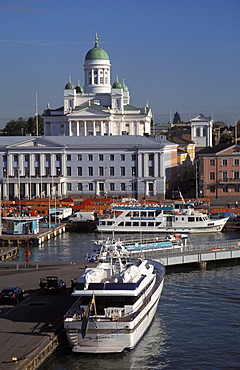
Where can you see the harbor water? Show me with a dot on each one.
(197, 324)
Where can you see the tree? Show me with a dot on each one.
(22, 127)
(176, 118)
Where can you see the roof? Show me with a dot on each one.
(215, 149)
(101, 142)
(96, 53)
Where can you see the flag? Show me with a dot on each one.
(91, 307)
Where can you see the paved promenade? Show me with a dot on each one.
(26, 327)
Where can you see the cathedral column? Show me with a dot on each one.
(139, 165)
(16, 192)
(70, 128)
(26, 191)
(145, 165)
(94, 128)
(31, 165)
(102, 128)
(155, 164)
(85, 128)
(63, 163)
(37, 190)
(41, 169)
(52, 164)
(5, 191)
(10, 164)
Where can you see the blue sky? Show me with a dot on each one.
(179, 55)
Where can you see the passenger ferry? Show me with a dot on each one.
(177, 218)
(117, 302)
(140, 247)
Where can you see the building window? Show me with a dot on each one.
(69, 186)
(90, 171)
(101, 186)
(224, 175)
(212, 175)
(236, 175)
(100, 157)
(150, 171)
(133, 157)
(111, 171)
(134, 186)
(122, 157)
(150, 157)
(133, 171)
(79, 186)
(15, 157)
(68, 157)
(224, 162)
(150, 186)
(236, 189)
(122, 171)
(122, 186)
(26, 157)
(79, 157)
(90, 186)
(100, 171)
(111, 157)
(212, 162)
(4, 158)
(212, 189)
(225, 189)
(57, 157)
(236, 162)
(47, 171)
(37, 157)
(79, 170)
(58, 171)
(47, 157)
(90, 157)
(112, 186)
(37, 171)
(69, 171)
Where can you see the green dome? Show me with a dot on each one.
(78, 88)
(96, 53)
(117, 84)
(125, 88)
(69, 85)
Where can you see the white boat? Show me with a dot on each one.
(117, 302)
(140, 247)
(177, 218)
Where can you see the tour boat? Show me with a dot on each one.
(176, 218)
(117, 302)
(140, 247)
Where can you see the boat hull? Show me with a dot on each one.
(106, 336)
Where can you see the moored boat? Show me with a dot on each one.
(177, 218)
(117, 302)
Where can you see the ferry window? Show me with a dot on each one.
(158, 213)
(169, 218)
(135, 214)
(121, 224)
(143, 214)
(135, 223)
(109, 223)
(127, 223)
(158, 223)
(151, 224)
(176, 218)
(191, 219)
(143, 224)
(150, 214)
(129, 214)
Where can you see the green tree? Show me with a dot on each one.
(22, 127)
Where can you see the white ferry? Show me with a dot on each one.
(117, 302)
(140, 247)
(178, 218)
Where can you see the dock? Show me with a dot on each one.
(33, 239)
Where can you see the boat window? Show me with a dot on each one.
(111, 301)
(176, 218)
(129, 214)
(135, 214)
(121, 224)
(191, 219)
(151, 224)
(158, 213)
(150, 214)
(158, 223)
(143, 224)
(169, 218)
(109, 223)
(143, 214)
(127, 223)
(102, 222)
(135, 223)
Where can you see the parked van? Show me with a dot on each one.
(61, 213)
(82, 216)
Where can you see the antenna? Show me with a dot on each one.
(36, 114)
(235, 132)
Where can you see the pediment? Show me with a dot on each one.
(32, 142)
(88, 112)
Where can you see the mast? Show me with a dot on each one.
(36, 114)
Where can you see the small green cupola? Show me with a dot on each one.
(69, 85)
(78, 88)
(117, 84)
(125, 88)
(96, 53)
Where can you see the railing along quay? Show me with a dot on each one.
(213, 251)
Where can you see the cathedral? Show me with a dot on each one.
(98, 108)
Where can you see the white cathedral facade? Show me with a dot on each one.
(98, 108)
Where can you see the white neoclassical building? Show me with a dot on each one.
(98, 108)
(201, 131)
